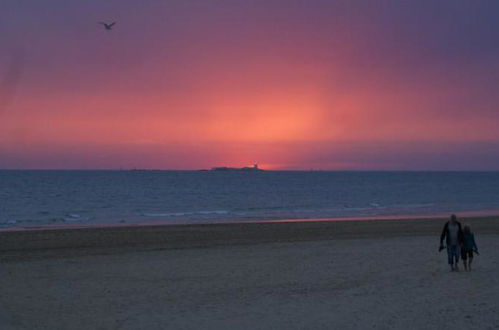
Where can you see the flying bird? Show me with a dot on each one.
(108, 26)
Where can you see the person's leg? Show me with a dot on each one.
(470, 259)
(465, 261)
(457, 250)
(450, 257)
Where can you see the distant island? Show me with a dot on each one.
(253, 168)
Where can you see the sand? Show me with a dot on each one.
(382, 275)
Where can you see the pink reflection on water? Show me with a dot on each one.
(463, 214)
(153, 223)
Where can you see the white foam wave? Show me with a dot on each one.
(74, 218)
(9, 222)
(190, 213)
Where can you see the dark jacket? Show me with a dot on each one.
(469, 241)
(445, 234)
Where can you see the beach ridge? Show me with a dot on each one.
(205, 235)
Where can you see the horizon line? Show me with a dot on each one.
(261, 170)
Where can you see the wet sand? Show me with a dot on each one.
(318, 275)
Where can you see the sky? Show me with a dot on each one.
(288, 84)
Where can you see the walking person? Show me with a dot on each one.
(469, 246)
(453, 234)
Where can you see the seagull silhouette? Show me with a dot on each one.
(108, 26)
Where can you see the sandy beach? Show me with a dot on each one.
(305, 275)
(249, 165)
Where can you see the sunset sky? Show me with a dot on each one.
(190, 84)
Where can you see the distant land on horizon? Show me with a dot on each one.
(245, 168)
(250, 169)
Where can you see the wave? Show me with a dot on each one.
(74, 218)
(180, 214)
(8, 223)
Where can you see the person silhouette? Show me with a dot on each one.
(453, 234)
(469, 246)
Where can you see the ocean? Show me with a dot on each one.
(39, 198)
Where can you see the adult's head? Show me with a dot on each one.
(453, 218)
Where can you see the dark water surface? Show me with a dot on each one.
(31, 198)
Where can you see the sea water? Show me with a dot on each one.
(34, 198)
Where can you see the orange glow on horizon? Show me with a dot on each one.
(213, 85)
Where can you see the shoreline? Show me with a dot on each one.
(438, 215)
